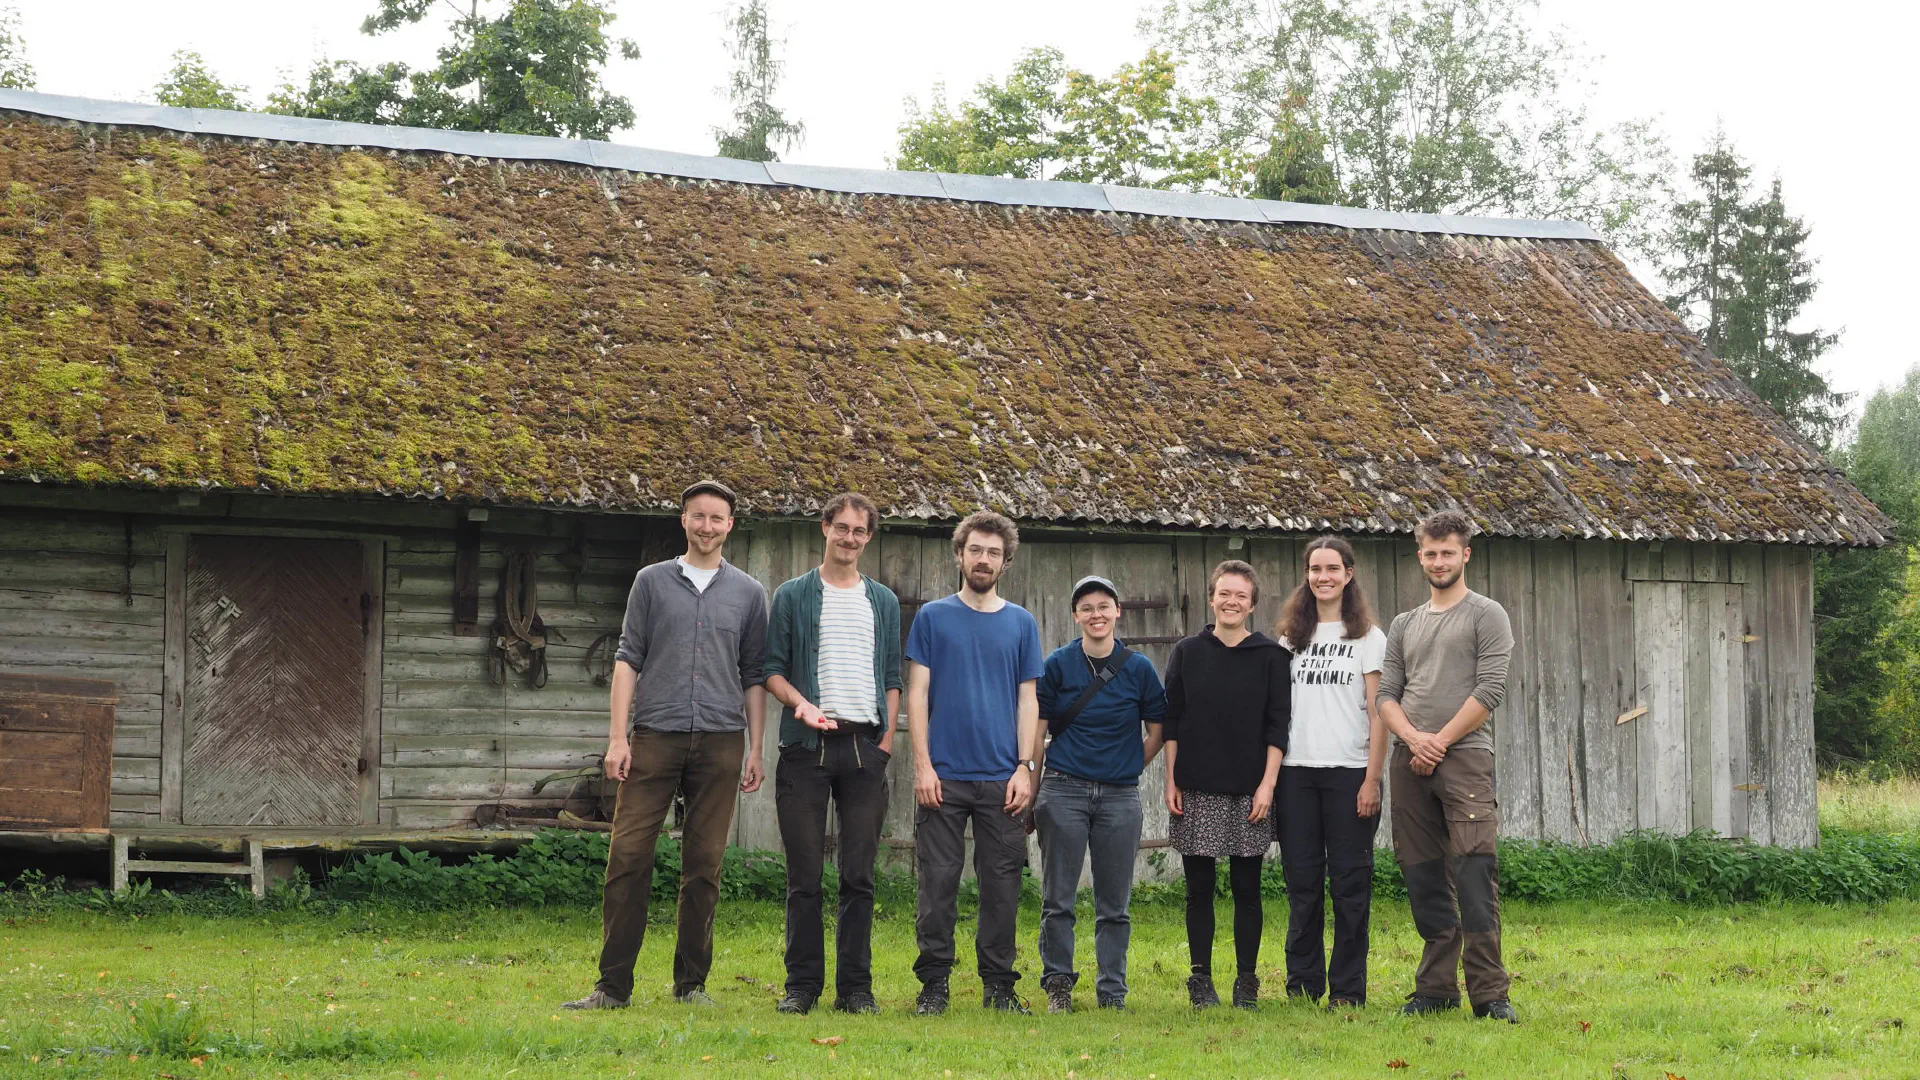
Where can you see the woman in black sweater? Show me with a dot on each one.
(1229, 697)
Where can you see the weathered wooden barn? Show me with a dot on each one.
(280, 398)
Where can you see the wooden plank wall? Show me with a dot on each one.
(77, 601)
(1586, 613)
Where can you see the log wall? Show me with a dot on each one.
(1714, 642)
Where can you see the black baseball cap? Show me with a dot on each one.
(708, 487)
(1093, 583)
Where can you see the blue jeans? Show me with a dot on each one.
(1074, 817)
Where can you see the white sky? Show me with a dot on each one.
(1804, 90)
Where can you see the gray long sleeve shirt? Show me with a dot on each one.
(696, 652)
(1438, 659)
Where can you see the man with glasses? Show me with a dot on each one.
(833, 663)
(974, 713)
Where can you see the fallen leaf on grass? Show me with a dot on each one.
(708, 1057)
(1671, 1076)
(1397, 1063)
(831, 1040)
(197, 1062)
(1458, 1074)
(1585, 1026)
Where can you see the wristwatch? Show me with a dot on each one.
(1032, 765)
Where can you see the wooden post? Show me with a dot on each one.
(119, 862)
(257, 867)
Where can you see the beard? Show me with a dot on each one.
(1447, 581)
(980, 579)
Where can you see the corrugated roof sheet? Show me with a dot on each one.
(182, 311)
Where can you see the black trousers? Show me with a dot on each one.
(850, 769)
(1326, 848)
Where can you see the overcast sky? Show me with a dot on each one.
(1795, 85)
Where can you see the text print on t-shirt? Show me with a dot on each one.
(1325, 663)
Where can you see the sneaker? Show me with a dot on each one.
(1246, 990)
(695, 997)
(1001, 998)
(1497, 1010)
(1116, 1003)
(1200, 991)
(797, 1003)
(1420, 1006)
(1059, 993)
(932, 1000)
(859, 1002)
(599, 999)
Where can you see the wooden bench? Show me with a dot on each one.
(255, 867)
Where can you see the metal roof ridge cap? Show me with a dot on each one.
(601, 154)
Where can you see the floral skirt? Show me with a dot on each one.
(1217, 826)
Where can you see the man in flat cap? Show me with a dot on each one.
(686, 682)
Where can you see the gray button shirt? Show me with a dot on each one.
(696, 652)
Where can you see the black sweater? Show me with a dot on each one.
(1225, 706)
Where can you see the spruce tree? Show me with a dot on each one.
(758, 124)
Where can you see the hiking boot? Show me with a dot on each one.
(1059, 990)
(1497, 1010)
(797, 1003)
(1000, 998)
(1246, 990)
(860, 1003)
(696, 997)
(599, 999)
(932, 1000)
(1117, 1003)
(1418, 1005)
(1200, 991)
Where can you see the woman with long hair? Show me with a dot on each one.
(1225, 734)
(1329, 802)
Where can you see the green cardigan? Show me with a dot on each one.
(793, 647)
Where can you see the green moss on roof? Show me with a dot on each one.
(182, 312)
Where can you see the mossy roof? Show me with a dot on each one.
(190, 311)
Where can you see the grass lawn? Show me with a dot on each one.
(1604, 992)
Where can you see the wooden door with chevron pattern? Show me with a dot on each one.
(275, 682)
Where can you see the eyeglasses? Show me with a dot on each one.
(841, 531)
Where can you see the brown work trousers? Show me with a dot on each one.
(707, 766)
(1444, 830)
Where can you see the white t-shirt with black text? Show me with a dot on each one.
(1330, 727)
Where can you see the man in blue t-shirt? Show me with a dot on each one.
(974, 715)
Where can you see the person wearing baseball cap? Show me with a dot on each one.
(1102, 704)
(687, 681)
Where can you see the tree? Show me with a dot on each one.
(1867, 601)
(532, 67)
(1703, 241)
(15, 72)
(1049, 121)
(758, 124)
(1738, 273)
(1440, 106)
(190, 84)
(1775, 283)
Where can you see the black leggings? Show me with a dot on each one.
(1243, 874)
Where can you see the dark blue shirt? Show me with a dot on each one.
(1103, 742)
(975, 663)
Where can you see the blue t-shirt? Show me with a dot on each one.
(1103, 742)
(975, 663)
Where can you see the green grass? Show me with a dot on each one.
(1851, 801)
(1748, 992)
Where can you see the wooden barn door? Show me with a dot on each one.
(1689, 640)
(275, 684)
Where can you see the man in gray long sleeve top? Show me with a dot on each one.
(1445, 672)
(686, 681)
